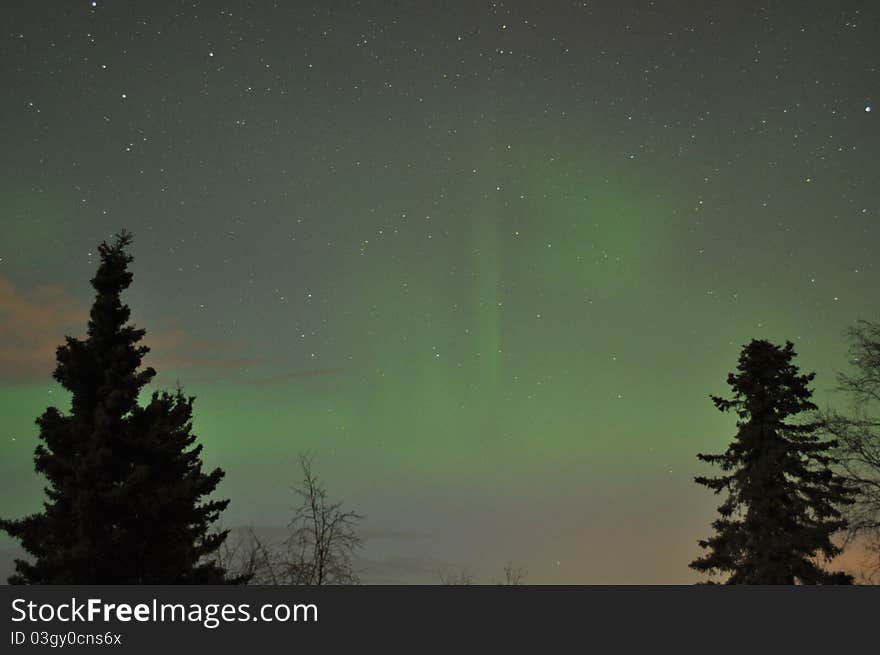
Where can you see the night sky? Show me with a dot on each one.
(487, 260)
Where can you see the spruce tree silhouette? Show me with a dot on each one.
(783, 498)
(125, 482)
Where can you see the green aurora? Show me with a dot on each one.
(491, 291)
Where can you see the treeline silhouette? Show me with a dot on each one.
(128, 501)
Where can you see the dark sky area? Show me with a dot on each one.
(487, 260)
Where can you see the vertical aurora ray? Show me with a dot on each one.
(486, 250)
(486, 241)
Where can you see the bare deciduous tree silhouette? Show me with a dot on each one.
(323, 535)
(513, 575)
(318, 550)
(455, 578)
(858, 435)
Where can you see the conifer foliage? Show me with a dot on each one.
(783, 503)
(126, 491)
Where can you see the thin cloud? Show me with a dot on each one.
(34, 322)
(174, 350)
(32, 326)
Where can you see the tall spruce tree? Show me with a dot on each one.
(783, 498)
(125, 482)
